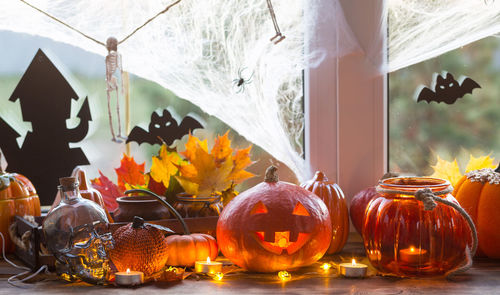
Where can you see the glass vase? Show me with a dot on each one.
(402, 239)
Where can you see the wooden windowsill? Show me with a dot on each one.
(483, 278)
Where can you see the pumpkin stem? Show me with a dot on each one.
(320, 176)
(496, 170)
(177, 215)
(271, 174)
(138, 222)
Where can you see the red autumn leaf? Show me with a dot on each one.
(108, 190)
(130, 173)
(156, 187)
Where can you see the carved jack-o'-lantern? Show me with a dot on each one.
(274, 226)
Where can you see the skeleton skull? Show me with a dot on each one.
(85, 256)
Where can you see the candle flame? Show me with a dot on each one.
(353, 261)
(412, 249)
(218, 276)
(284, 276)
(208, 259)
(128, 270)
(326, 266)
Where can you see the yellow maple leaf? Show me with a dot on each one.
(480, 163)
(213, 172)
(447, 170)
(165, 165)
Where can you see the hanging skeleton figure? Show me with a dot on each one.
(114, 73)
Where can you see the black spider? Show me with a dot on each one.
(240, 82)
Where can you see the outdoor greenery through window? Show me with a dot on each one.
(418, 132)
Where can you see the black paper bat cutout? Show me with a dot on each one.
(164, 127)
(447, 90)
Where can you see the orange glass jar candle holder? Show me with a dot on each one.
(403, 239)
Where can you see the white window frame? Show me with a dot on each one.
(346, 103)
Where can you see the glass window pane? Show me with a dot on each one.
(419, 131)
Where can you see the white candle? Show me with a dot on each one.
(208, 267)
(129, 278)
(353, 269)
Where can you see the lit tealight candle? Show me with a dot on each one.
(413, 255)
(208, 267)
(353, 269)
(129, 278)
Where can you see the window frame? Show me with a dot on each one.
(345, 124)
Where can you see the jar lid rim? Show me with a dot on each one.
(414, 182)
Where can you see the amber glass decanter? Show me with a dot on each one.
(403, 239)
(76, 232)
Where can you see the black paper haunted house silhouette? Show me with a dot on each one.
(45, 97)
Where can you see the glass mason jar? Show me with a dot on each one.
(193, 206)
(76, 232)
(403, 239)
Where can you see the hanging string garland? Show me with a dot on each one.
(114, 70)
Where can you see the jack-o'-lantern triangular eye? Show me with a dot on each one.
(300, 210)
(259, 208)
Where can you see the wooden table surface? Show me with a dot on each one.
(483, 278)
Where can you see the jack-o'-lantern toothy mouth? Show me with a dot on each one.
(282, 242)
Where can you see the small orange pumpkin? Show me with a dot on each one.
(139, 246)
(184, 250)
(86, 191)
(478, 192)
(333, 197)
(17, 197)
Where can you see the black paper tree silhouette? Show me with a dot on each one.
(164, 127)
(45, 97)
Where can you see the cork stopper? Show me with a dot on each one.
(68, 183)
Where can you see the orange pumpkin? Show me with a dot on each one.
(17, 197)
(184, 250)
(86, 191)
(478, 192)
(139, 246)
(274, 226)
(333, 197)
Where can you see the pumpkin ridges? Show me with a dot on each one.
(468, 196)
(331, 194)
(487, 222)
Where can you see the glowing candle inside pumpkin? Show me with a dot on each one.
(129, 278)
(353, 269)
(208, 266)
(413, 255)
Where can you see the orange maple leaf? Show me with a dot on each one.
(191, 146)
(221, 149)
(130, 173)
